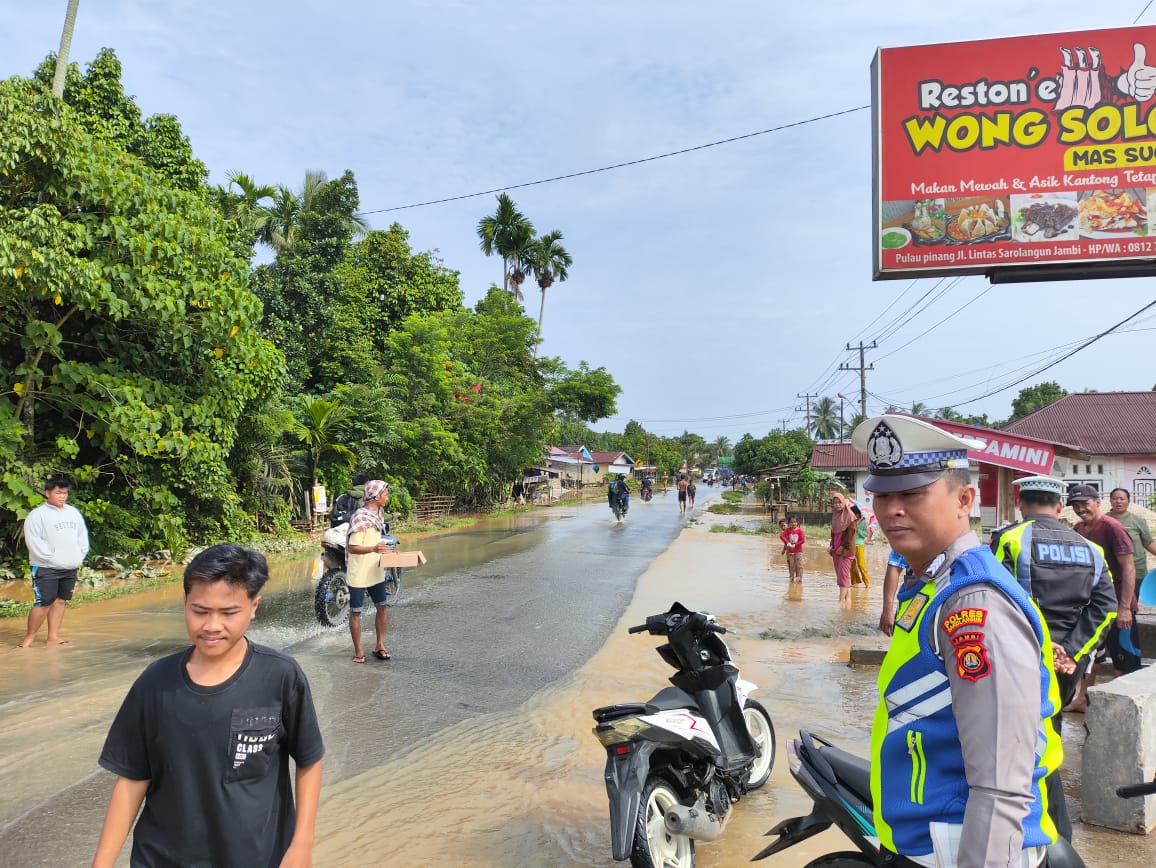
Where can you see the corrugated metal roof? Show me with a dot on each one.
(837, 455)
(1100, 423)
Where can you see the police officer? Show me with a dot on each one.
(960, 740)
(1068, 579)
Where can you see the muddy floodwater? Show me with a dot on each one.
(475, 749)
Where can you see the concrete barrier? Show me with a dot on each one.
(1120, 749)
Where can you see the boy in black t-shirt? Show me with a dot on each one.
(205, 735)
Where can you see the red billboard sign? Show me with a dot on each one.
(1006, 450)
(1033, 153)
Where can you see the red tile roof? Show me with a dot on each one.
(610, 457)
(837, 455)
(1100, 423)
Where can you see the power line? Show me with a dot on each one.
(622, 165)
(926, 332)
(1142, 11)
(1062, 358)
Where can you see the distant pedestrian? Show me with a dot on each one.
(1138, 530)
(842, 547)
(859, 564)
(681, 486)
(793, 538)
(690, 490)
(518, 493)
(57, 541)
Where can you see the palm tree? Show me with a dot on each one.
(721, 446)
(825, 419)
(519, 252)
(246, 203)
(918, 408)
(318, 424)
(497, 231)
(549, 262)
(65, 48)
(280, 231)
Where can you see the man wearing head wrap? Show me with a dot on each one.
(961, 740)
(364, 573)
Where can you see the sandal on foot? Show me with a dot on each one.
(360, 658)
(381, 655)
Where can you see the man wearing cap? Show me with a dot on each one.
(1068, 578)
(960, 741)
(364, 573)
(1113, 539)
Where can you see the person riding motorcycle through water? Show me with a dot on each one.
(618, 490)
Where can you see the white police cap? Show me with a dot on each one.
(905, 453)
(1046, 484)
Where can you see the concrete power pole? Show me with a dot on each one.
(808, 396)
(862, 369)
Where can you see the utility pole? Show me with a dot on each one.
(842, 424)
(808, 396)
(862, 369)
(783, 425)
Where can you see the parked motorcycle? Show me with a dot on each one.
(331, 598)
(676, 763)
(839, 783)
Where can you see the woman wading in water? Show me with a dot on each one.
(842, 544)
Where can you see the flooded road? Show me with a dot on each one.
(473, 747)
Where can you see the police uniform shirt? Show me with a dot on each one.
(995, 710)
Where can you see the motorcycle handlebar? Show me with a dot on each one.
(1133, 790)
(641, 628)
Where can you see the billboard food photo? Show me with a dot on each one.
(1035, 152)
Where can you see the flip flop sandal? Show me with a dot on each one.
(382, 655)
(359, 659)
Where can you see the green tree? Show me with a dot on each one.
(550, 264)
(1035, 398)
(585, 395)
(130, 348)
(504, 231)
(320, 426)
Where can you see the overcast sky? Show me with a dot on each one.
(715, 286)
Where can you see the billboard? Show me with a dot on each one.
(1023, 158)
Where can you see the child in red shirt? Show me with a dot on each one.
(793, 538)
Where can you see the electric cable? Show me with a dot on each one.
(621, 165)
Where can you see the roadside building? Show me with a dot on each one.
(1115, 432)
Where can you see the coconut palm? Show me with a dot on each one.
(721, 446)
(280, 232)
(825, 419)
(65, 47)
(497, 231)
(319, 424)
(549, 262)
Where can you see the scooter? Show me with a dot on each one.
(839, 783)
(676, 763)
(619, 505)
(646, 492)
(331, 597)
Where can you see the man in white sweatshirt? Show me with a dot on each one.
(57, 542)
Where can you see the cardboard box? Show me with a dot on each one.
(402, 559)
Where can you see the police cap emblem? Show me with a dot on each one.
(883, 447)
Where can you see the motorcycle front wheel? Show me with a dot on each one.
(392, 584)
(654, 846)
(762, 732)
(840, 860)
(331, 601)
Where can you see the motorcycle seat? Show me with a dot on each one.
(667, 699)
(853, 771)
(670, 698)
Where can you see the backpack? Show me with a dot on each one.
(343, 509)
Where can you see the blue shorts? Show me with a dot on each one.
(377, 593)
(50, 585)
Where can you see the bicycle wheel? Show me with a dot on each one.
(331, 600)
(392, 584)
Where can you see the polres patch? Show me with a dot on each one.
(971, 656)
(965, 618)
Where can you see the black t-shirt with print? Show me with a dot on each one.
(217, 760)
